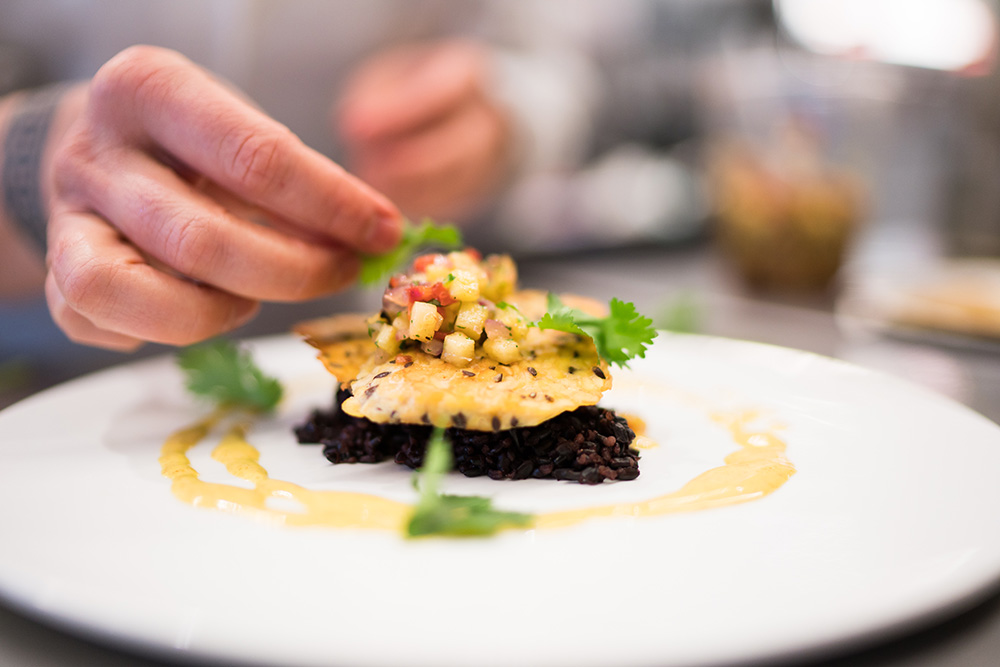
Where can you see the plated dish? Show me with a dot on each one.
(885, 524)
(456, 345)
(952, 302)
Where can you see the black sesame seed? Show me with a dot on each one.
(425, 418)
(370, 390)
(572, 369)
(498, 377)
(496, 423)
(599, 373)
(382, 375)
(407, 364)
(458, 421)
(532, 371)
(468, 374)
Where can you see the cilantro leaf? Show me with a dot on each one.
(222, 372)
(457, 516)
(503, 305)
(561, 317)
(619, 337)
(375, 269)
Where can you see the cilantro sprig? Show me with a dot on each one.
(375, 269)
(456, 516)
(619, 337)
(224, 373)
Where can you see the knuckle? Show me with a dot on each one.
(258, 159)
(131, 74)
(189, 243)
(87, 286)
(123, 73)
(72, 163)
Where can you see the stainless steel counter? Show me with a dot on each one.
(653, 278)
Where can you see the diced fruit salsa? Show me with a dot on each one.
(451, 306)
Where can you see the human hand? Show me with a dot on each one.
(419, 125)
(176, 207)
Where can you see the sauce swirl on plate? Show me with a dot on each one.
(755, 469)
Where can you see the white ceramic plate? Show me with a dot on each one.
(890, 521)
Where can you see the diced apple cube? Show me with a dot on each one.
(463, 285)
(462, 260)
(470, 320)
(424, 320)
(502, 277)
(438, 270)
(450, 315)
(386, 339)
(458, 349)
(514, 321)
(504, 350)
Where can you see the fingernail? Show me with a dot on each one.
(243, 314)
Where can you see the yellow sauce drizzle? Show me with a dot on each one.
(335, 509)
(757, 468)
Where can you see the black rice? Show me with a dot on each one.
(347, 439)
(588, 445)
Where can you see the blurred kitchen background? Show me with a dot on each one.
(782, 152)
(819, 174)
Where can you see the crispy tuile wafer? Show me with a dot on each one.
(557, 372)
(343, 343)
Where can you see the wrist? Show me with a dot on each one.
(26, 138)
(23, 237)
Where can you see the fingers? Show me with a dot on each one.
(81, 330)
(196, 237)
(101, 291)
(410, 87)
(160, 97)
(156, 190)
